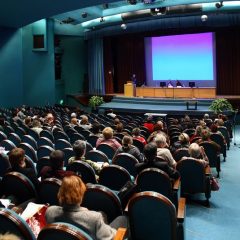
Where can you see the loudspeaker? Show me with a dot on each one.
(191, 84)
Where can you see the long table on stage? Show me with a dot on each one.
(176, 92)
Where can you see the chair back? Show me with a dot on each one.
(60, 230)
(152, 216)
(114, 177)
(84, 170)
(61, 144)
(14, 138)
(96, 156)
(44, 151)
(126, 161)
(3, 136)
(19, 186)
(92, 139)
(217, 138)
(193, 178)
(179, 153)
(60, 135)
(7, 144)
(48, 191)
(33, 134)
(13, 223)
(4, 164)
(30, 140)
(47, 133)
(75, 136)
(29, 151)
(138, 144)
(100, 198)
(45, 141)
(153, 179)
(107, 149)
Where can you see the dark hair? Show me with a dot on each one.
(57, 159)
(95, 128)
(79, 148)
(150, 151)
(136, 131)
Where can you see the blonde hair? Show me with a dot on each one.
(84, 120)
(183, 138)
(71, 191)
(194, 150)
(107, 133)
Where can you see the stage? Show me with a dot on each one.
(157, 105)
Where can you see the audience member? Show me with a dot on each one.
(70, 197)
(79, 148)
(183, 142)
(108, 139)
(197, 153)
(36, 126)
(162, 150)
(149, 124)
(127, 147)
(18, 164)
(96, 129)
(84, 123)
(150, 153)
(55, 169)
(136, 135)
(9, 236)
(158, 129)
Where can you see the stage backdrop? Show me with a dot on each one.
(125, 55)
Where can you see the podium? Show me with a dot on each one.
(129, 89)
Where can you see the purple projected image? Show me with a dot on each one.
(183, 57)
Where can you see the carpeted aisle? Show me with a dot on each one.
(222, 220)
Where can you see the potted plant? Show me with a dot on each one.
(220, 105)
(95, 101)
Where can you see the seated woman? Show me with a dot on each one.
(19, 164)
(196, 152)
(136, 135)
(108, 139)
(127, 147)
(79, 148)
(56, 166)
(183, 142)
(70, 197)
(84, 123)
(150, 153)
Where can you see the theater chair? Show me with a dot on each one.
(153, 216)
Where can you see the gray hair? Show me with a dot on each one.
(194, 150)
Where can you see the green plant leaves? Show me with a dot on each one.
(221, 104)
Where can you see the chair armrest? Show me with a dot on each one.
(176, 184)
(181, 210)
(121, 233)
(207, 170)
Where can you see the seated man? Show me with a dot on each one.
(197, 153)
(150, 153)
(79, 148)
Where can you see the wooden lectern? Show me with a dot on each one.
(129, 89)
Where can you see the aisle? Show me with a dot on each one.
(222, 220)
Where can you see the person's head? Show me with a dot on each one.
(214, 128)
(202, 123)
(220, 122)
(119, 127)
(136, 132)
(183, 138)
(194, 150)
(206, 116)
(74, 121)
(198, 130)
(150, 151)
(158, 126)
(84, 120)
(17, 157)
(9, 236)
(95, 128)
(79, 148)
(160, 140)
(71, 191)
(205, 134)
(28, 121)
(57, 159)
(73, 115)
(36, 123)
(149, 118)
(107, 133)
(126, 141)
(116, 121)
(49, 118)
(2, 121)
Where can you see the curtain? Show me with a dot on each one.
(95, 66)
